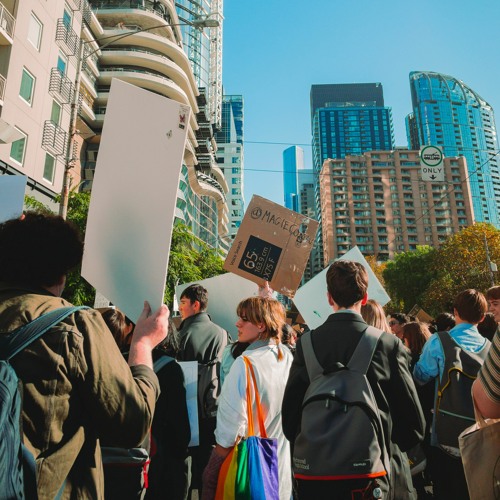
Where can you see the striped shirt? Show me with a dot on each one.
(489, 375)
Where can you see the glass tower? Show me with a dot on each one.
(449, 114)
(293, 162)
(230, 157)
(347, 119)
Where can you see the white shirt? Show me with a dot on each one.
(271, 375)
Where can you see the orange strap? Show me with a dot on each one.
(260, 416)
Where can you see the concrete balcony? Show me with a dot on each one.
(158, 44)
(150, 60)
(143, 14)
(147, 80)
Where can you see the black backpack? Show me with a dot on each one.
(17, 465)
(454, 409)
(341, 435)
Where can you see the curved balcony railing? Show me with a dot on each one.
(134, 70)
(119, 48)
(212, 182)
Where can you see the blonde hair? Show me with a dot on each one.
(267, 312)
(374, 315)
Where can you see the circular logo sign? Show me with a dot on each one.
(431, 156)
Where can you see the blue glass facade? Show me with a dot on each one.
(293, 161)
(448, 113)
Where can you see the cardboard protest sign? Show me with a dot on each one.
(12, 189)
(273, 244)
(311, 299)
(134, 195)
(225, 292)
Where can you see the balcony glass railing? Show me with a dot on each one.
(7, 21)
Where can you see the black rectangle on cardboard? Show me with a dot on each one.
(260, 258)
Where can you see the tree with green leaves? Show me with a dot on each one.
(461, 263)
(408, 276)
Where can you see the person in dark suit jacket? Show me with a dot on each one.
(389, 377)
(203, 341)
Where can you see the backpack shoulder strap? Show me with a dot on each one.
(447, 343)
(23, 336)
(161, 362)
(313, 367)
(363, 354)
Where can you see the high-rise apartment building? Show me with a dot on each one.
(449, 114)
(230, 158)
(51, 47)
(378, 202)
(39, 43)
(347, 119)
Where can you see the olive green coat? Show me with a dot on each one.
(77, 390)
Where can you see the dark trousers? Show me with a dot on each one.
(200, 455)
(448, 477)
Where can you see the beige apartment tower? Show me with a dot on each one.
(379, 202)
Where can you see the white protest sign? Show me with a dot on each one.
(432, 167)
(12, 189)
(225, 292)
(190, 370)
(134, 194)
(311, 299)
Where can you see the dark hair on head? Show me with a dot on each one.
(493, 293)
(39, 249)
(400, 318)
(444, 321)
(416, 335)
(347, 282)
(471, 305)
(196, 293)
(488, 326)
(171, 343)
(117, 323)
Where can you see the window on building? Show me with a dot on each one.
(236, 170)
(18, 149)
(236, 191)
(55, 114)
(49, 168)
(62, 64)
(35, 31)
(235, 159)
(27, 86)
(67, 16)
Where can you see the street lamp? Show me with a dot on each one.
(200, 24)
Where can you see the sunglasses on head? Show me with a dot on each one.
(392, 323)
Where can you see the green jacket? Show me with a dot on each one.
(77, 391)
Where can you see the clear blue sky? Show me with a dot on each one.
(274, 50)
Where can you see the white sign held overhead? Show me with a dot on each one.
(134, 194)
(311, 299)
(12, 189)
(432, 166)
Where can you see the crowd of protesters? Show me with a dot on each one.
(96, 380)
